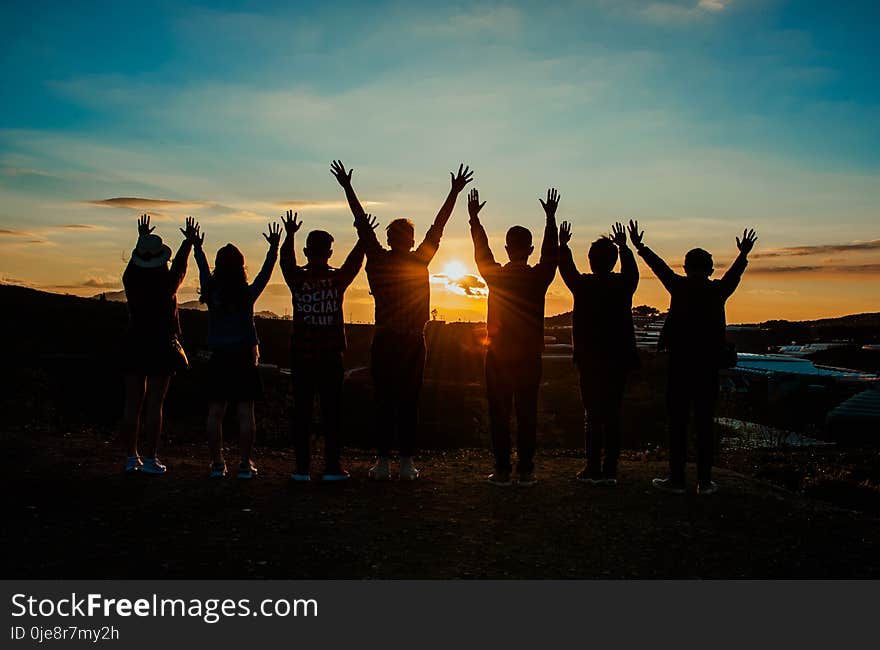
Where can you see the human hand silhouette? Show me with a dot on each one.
(634, 235)
(747, 242)
(274, 235)
(464, 176)
(474, 206)
(618, 235)
(191, 232)
(338, 171)
(552, 202)
(564, 233)
(144, 225)
(291, 225)
(371, 221)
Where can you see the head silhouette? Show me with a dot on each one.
(319, 247)
(602, 256)
(401, 235)
(229, 279)
(698, 263)
(519, 244)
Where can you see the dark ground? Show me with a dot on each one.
(71, 514)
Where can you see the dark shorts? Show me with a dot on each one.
(233, 376)
(151, 358)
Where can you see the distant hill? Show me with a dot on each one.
(195, 305)
(559, 320)
(868, 319)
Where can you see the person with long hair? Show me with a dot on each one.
(233, 376)
(151, 351)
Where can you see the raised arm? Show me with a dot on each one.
(550, 246)
(660, 268)
(202, 263)
(428, 248)
(629, 270)
(343, 177)
(567, 268)
(352, 265)
(178, 265)
(365, 225)
(482, 253)
(730, 279)
(288, 248)
(262, 279)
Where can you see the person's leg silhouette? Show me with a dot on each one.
(499, 391)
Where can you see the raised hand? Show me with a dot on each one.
(474, 206)
(464, 176)
(191, 232)
(291, 225)
(618, 235)
(274, 236)
(564, 233)
(551, 204)
(338, 171)
(634, 235)
(371, 221)
(747, 242)
(144, 225)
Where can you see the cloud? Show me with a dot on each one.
(18, 171)
(467, 285)
(81, 226)
(673, 13)
(817, 268)
(8, 232)
(321, 205)
(137, 203)
(714, 5)
(820, 249)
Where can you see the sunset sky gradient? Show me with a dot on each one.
(698, 118)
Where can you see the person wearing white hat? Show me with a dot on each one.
(151, 350)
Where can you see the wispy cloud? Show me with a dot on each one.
(819, 249)
(321, 205)
(18, 171)
(138, 203)
(817, 268)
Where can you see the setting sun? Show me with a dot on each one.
(455, 270)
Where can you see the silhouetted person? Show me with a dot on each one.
(515, 324)
(604, 343)
(317, 342)
(694, 334)
(400, 286)
(233, 375)
(151, 351)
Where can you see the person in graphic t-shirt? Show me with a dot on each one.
(317, 342)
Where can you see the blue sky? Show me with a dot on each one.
(698, 118)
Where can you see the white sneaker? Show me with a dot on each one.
(380, 471)
(408, 471)
(707, 489)
(133, 464)
(153, 466)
